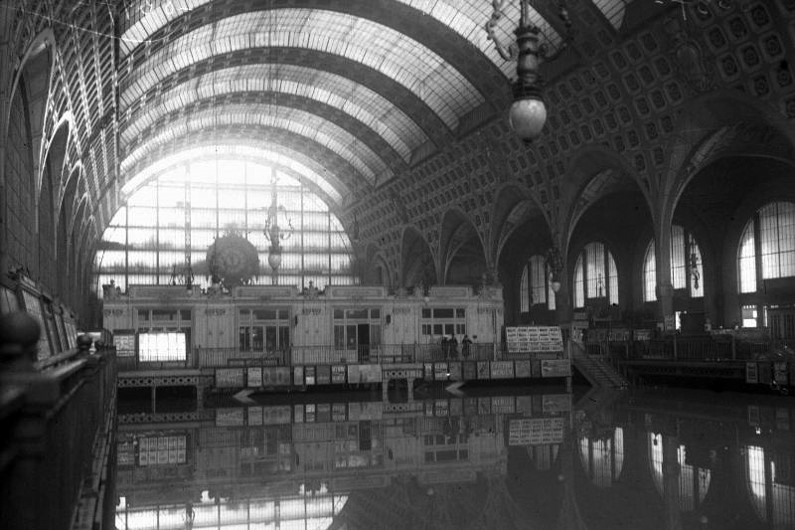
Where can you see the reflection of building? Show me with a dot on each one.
(693, 481)
(275, 464)
(771, 489)
(603, 456)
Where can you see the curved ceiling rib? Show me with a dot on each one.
(400, 96)
(332, 122)
(287, 163)
(308, 125)
(466, 18)
(357, 101)
(336, 170)
(411, 64)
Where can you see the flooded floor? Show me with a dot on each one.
(635, 459)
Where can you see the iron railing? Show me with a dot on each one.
(54, 419)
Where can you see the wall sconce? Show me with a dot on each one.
(554, 268)
(528, 113)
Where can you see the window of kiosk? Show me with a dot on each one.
(439, 321)
(357, 328)
(263, 330)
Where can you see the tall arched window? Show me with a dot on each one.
(595, 275)
(767, 245)
(181, 212)
(536, 288)
(687, 269)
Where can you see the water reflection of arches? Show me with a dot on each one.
(773, 501)
(692, 479)
(602, 457)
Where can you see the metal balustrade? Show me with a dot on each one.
(58, 416)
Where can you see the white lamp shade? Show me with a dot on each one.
(275, 260)
(527, 118)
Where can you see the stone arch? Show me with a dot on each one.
(462, 254)
(416, 260)
(594, 172)
(724, 124)
(512, 208)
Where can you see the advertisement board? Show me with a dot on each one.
(254, 377)
(276, 376)
(535, 431)
(125, 343)
(533, 339)
(751, 373)
(555, 368)
(338, 374)
(502, 369)
(229, 378)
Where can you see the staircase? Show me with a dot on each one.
(596, 369)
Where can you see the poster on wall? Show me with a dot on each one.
(124, 342)
(555, 368)
(534, 339)
(751, 373)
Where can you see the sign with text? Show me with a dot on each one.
(125, 344)
(540, 431)
(255, 377)
(502, 370)
(555, 368)
(229, 378)
(533, 339)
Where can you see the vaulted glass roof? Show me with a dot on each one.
(375, 111)
(445, 90)
(465, 17)
(313, 127)
(327, 185)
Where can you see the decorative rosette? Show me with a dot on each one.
(233, 259)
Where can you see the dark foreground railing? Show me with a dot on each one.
(58, 428)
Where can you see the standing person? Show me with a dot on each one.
(453, 347)
(465, 342)
(445, 350)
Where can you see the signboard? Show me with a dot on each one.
(502, 370)
(503, 405)
(751, 373)
(440, 371)
(323, 374)
(555, 368)
(780, 373)
(276, 376)
(227, 417)
(254, 377)
(483, 369)
(229, 378)
(125, 344)
(523, 369)
(534, 339)
(162, 450)
(310, 375)
(370, 373)
(277, 415)
(556, 403)
(541, 431)
(338, 374)
(298, 375)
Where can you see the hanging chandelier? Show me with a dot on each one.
(528, 113)
(275, 233)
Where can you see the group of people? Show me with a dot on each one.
(450, 347)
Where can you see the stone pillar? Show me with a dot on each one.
(662, 254)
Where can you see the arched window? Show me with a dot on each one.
(181, 213)
(595, 275)
(767, 245)
(687, 269)
(536, 288)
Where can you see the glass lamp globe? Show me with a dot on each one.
(274, 259)
(527, 117)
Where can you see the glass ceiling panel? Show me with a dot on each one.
(356, 100)
(329, 185)
(613, 10)
(409, 63)
(465, 17)
(468, 18)
(326, 133)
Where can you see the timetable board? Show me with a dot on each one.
(534, 339)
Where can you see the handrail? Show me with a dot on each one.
(54, 421)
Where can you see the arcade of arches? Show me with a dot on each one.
(665, 175)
